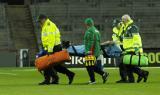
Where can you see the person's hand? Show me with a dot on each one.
(136, 50)
(49, 53)
(89, 53)
(37, 56)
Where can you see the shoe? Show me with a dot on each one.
(122, 81)
(139, 79)
(91, 82)
(146, 73)
(71, 77)
(44, 83)
(55, 80)
(105, 77)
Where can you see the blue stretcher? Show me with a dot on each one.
(109, 51)
(78, 50)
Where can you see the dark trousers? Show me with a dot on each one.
(128, 70)
(134, 69)
(99, 64)
(62, 69)
(91, 70)
(122, 71)
(51, 72)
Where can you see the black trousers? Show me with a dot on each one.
(128, 70)
(122, 71)
(134, 69)
(92, 69)
(51, 72)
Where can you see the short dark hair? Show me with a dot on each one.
(41, 16)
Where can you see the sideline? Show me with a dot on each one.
(110, 68)
(12, 74)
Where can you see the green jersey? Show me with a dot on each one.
(92, 41)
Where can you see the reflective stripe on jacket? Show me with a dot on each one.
(50, 35)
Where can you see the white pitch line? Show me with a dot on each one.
(28, 70)
(110, 68)
(12, 74)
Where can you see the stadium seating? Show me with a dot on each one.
(69, 16)
(21, 29)
(71, 13)
(4, 33)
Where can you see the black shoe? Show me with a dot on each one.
(139, 79)
(146, 73)
(122, 81)
(105, 77)
(44, 83)
(71, 77)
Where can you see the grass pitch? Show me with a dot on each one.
(23, 81)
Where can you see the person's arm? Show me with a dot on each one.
(89, 43)
(52, 37)
(107, 42)
(44, 39)
(137, 43)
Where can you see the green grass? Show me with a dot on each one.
(23, 81)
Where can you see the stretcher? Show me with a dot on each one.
(47, 60)
(109, 51)
(77, 50)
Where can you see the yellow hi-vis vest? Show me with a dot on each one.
(50, 36)
(117, 34)
(131, 38)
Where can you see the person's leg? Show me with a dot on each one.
(130, 73)
(102, 73)
(46, 74)
(90, 70)
(54, 75)
(122, 73)
(62, 69)
(99, 62)
(141, 74)
(145, 75)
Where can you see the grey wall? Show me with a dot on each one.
(7, 59)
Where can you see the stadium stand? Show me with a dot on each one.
(21, 28)
(4, 33)
(69, 16)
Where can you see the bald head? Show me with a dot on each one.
(126, 18)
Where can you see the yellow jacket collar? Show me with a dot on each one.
(128, 23)
(46, 22)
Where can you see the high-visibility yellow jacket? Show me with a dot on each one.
(131, 38)
(117, 34)
(50, 36)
